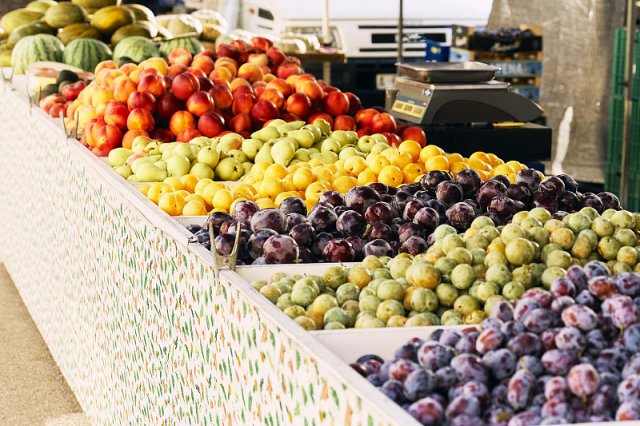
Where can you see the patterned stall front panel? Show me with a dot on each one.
(134, 318)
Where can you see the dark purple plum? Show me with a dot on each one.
(409, 229)
(303, 233)
(256, 241)
(380, 231)
(596, 269)
(280, 249)
(546, 201)
(592, 200)
(628, 283)
(568, 201)
(358, 246)
(519, 192)
(551, 185)
(268, 219)
(414, 245)
(332, 197)
(224, 244)
(380, 212)
(244, 209)
(469, 180)
(432, 178)
(427, 411)
(400, 200)
(377, 248)
(448, 193)
(217, 219)
(503, 206)
(418, 384)
(306, 256)
(293, 205)
(489, 190)
(530, 177)
(322, 239)
(425, 196)
(437, 206)
(379, 187)
(293, 219)
(341, 209)
(351, 223)
(360, 197)
(428, 219)
(338, 250)
(570, 183)
(323, 219)
(501, 178)
(610, 200)
(411, 207)
(460, 216)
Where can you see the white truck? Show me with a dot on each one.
(366, 30)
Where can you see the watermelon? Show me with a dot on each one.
(190, 43)
(136, 47)
(35, 48)
(86, 53)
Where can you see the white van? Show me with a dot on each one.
(366, 30)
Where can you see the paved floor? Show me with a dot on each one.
(32, 389)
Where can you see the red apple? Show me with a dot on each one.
(211, 124)
(299, 104)
(184, 85)
(142, 100)
(336, 103)
(222, 96)
(344, 122)
(199, 103)
(116, 114)
(167, 105)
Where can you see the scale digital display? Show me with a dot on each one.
(408, 106)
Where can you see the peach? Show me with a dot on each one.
(154, 84)
(364, 117)
(147, 71)
(281, 86)
(123, 89)
(242, 102)
(303, 78)
(259, 90)
(91, 129)
(206, 52)
(101, 95)
(259, 59)
(167, 105)
(276, 56)
(313, 90)
(140, 119)
(415, 133)
(285, 70)
(322, 115)
(228, 63)
(211, 124)
(261, 43)
(344, 122)
(288, 117)
(108, 64)
(227, 50)
(268, 77)
(199, 103)
(180, 55)
(187, 134)
(238, 82)
(159, 64)
(162, 135)
(142, 100)
(264, 110)
(272, 95)
(101, 109)
(205, 83)
(221, 82)
(243, 89)
(128, 68)
(355, 104)
(291, 80)
(197, 72)
(116, 114)
(221, 74)
(299, 104)
(106, 77)
(107, 138)
(184, 85)
(240, 44)
(336, 103)
(175, 70)
(222, 96)
(241, 123)
(181, 120)
(128, 137)
(383, 122)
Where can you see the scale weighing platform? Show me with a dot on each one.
(463, 109)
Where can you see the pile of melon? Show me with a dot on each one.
(83, 33)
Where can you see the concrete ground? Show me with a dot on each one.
(32, 389)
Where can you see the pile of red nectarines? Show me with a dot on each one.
(238, 88)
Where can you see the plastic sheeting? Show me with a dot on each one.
(576, 75)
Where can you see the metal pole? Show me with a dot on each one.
(400, 31)
(628, 94)
(326, 38)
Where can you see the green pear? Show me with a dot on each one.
(277, 122)
(229, 169)
(132, 178)
(317, 133)
(293, 125)
(178, 165)
(265, 153)
(353, 136)
(250, 147)
(293, 141)
(201, 171)
(304, 137)
(118, 156)
(209, 156)
(124, 170)
(143, 160)
(168, 146)
(148, 172)
(330, 144)
(302, 154)
(200, 141)
(139, 143)
(161, 163)
(314, 150)
(297, 124)
(232, 140)
(283, 151)
(379, 137)
(349, 151)
(328, 157)
(153, 145)
(186, 150)
(365, 143)
(379, 147)
(266, 134)
(247, 166)
(340, 136)
(295, 161)
(238, 155)
(323, 124)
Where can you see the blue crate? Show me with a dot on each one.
(436, 52)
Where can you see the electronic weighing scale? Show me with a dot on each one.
(463, 109)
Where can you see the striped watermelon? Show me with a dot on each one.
(136, 48)
(35, 48)
(86, 53)
(190, 43)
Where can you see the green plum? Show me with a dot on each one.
(530, 222)
(482, 221)
(422, 320)
(589, 211)
(258, 284)
(578, 222)
(450, 242)
(271, 292)
(540, 213)
(523, 275)
(627, 255)
(389, 308)
(322, 304)
(303, 295)
(463, 276)
(559, 258)
(551, 274)
(495, 258)
(477, 241)
(284, 301)
(371, 262)
(294, 311)
(347, 291)
(626, 236)
(421, 300)
(487, 289)
(521, 217)
(512, 231)
(451, 317)
(602, 227)
(581, 248)
(443, 230)
(398, 266)
(336, 314)
(608, 248)
(447, 294)
(306, 322)
(334, 326)
(623, 219)
(520, 251)
(390, 289)
(620, 267)
(475, 317)
(553, 224)
(513, 290)
(335, 276)
(466, 304)
(397, 321)
(548, 249)
(563, 237)
(478, 256)
(359, 276)
(498, 274)
(490, 232)
(539, 235)
(369, 304)
(461, 255)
